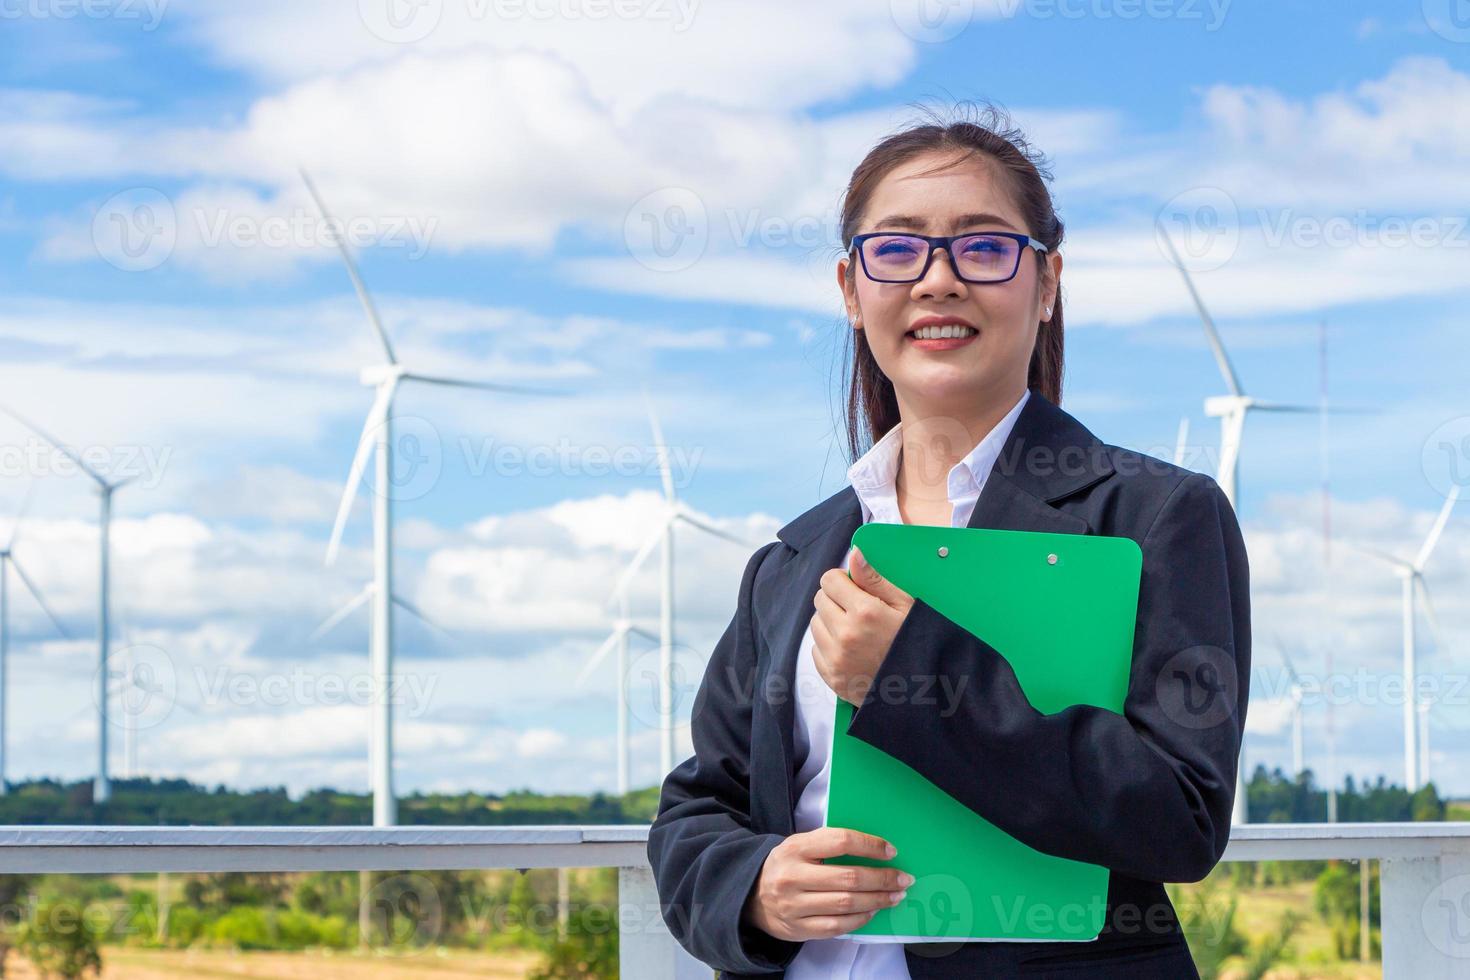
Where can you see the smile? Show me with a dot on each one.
(946, 336)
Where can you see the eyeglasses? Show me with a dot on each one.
(979, 257)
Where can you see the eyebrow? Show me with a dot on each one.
(963, 221)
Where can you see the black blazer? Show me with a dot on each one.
(1147, 793)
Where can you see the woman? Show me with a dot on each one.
(951, 283)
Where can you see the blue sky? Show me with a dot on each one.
(506, 170)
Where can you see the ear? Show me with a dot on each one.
(1051, 285)
(849, 294)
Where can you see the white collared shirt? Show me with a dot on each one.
(874, 477)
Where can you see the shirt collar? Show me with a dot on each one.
(874, 475)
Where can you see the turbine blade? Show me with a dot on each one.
(357, 283)
(20, 514)
(424, 617)
(1217, 346)
(646, 634)
(684, 514)
(1290, 668)
(1430, 614)
(483, 385)
(597, 657)
(36, 594)
(1376, 553)
(55, 444)
(1434, 532)
(1282, 407)
(659, 447)
(626, 578)
(365, 445)
(343, 613)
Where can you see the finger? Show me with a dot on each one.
(872, 582)
(843, 590)
(825, 842)
(817, 877)
(837, 587)
(823, 642)
(829, 611)
(831, 926)
(843, 903)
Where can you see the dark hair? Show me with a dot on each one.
(871, 403)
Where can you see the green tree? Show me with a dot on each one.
(59, 940)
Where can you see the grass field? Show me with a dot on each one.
(1312, 956)
(121, 963)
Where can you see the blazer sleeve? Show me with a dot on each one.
(1147, 793)
(704, 854)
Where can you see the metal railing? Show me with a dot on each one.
(1425, 870)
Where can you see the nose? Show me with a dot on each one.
(940, 279)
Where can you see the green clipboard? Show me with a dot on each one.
(1061, 609)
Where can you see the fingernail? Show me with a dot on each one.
(890, 850)
(896, 897)
(905, 879)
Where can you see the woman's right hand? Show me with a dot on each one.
(797, 897)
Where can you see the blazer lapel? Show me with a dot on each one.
(1047, 456)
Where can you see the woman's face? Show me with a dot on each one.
(949, 377)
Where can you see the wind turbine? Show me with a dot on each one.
(1231, 410)
(101, 787)
(7, 562)
(1297, 762)
(674, 512)
(136, 687)
(618, 639)
(1411, 574)
(377, 435)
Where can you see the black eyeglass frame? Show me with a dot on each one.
(946, 242)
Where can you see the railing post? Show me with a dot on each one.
(1426, 917)
(646, 949)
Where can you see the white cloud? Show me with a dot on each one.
(757, 54)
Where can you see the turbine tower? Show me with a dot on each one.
(8, 561)
(674, 512)
(377, 436)
(101, 786)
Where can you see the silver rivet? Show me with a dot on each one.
(1051, 559)
(943, 552)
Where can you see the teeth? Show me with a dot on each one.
(941, 332)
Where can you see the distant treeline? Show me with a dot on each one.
(179, 802)
(1274, 798)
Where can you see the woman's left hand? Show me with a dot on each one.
(854, 626)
